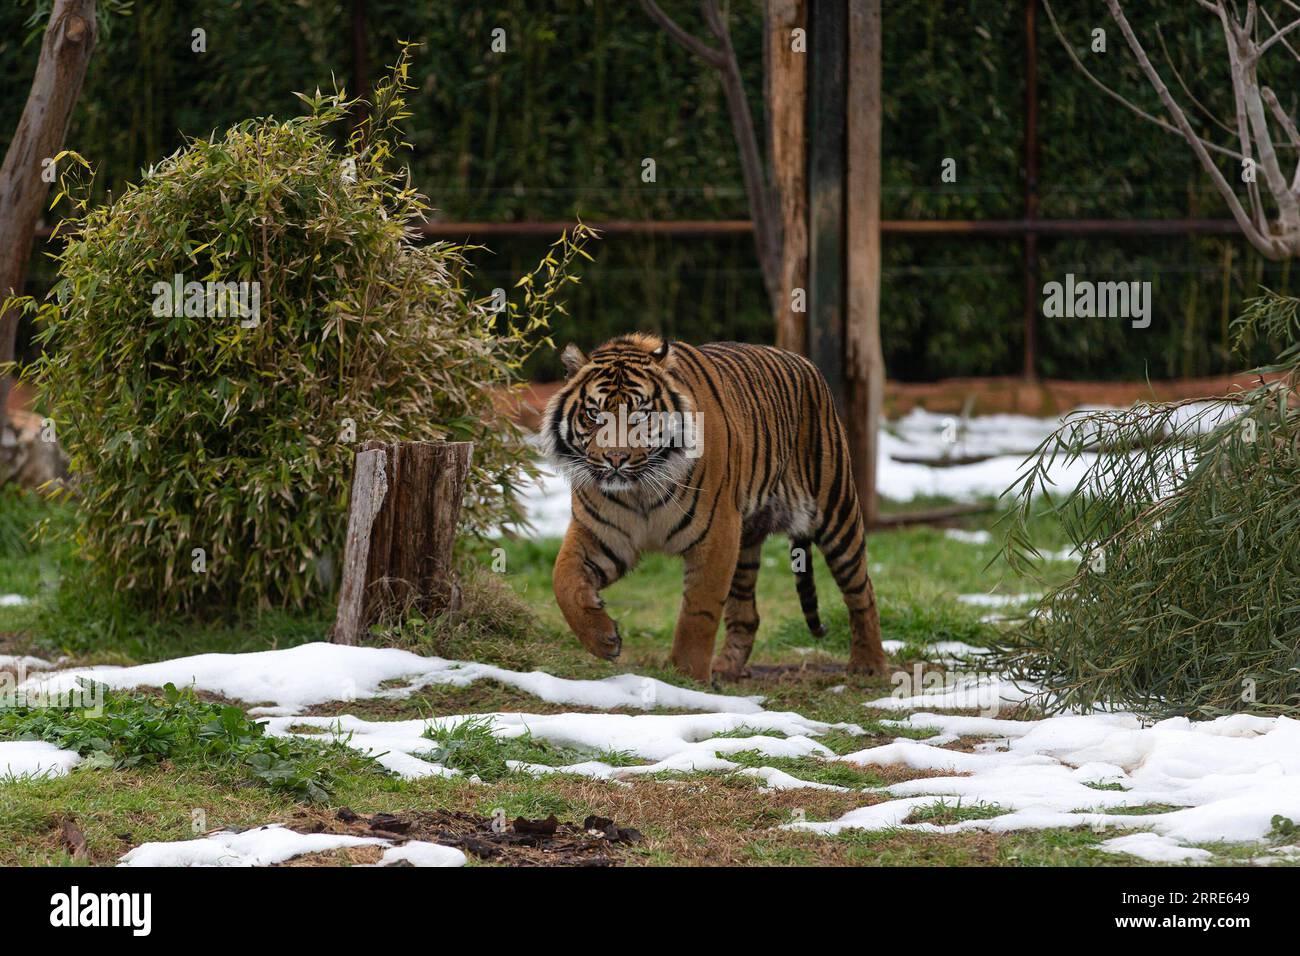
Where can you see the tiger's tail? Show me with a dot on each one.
(801, 562)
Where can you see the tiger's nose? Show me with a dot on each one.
(616, 458)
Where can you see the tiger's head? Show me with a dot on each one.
(622, 421)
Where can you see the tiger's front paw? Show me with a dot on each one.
(873, 666)
(603, 642)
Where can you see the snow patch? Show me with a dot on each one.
(21, 663)
(1227, 777)
(1154, 848)
(983, 692)
(685, 743)
(422, 853)
(272, 844)
(295, 678)
(997, 600)
(34, 758)
(968, 537)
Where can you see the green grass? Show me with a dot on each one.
(917, 572)
(471, 747)
(155, 760)
(835, 773)
(942, 813)
(1141, 811)
(132, 729)
(1059, 847)
(20, 511)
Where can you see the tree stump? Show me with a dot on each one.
(402, 518)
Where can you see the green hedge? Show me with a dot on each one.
(558, 126)
(211, 436)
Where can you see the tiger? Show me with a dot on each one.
(704, 451)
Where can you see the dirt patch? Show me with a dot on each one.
(13, 642)
(207, 696)
(17, 644)
(480, 697)
(595, 841)
(714, 820)
(790, 673)
(343, 856)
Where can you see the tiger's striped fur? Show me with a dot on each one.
(771, 458)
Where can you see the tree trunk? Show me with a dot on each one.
(787, 79)
(402, 520)
(65, 52)
(864, 358)
(827, 73)
(763, 209)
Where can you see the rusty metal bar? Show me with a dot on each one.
(1059, 227)
(1009, 228)
(680, 227)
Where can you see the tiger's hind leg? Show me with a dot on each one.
(741, 615)
(845, 550)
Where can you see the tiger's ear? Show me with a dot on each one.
(661, 353)
(573, 359)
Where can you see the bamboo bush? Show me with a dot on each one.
(211, 454)
(1187, 521)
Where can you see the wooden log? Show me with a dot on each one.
(402, 518)
(935, 516)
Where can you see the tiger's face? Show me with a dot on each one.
(622, 422)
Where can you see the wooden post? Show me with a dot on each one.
(402, 519)
(827, 47)
(864, 357)
(65, 52)
(1030, 364)
(787, 80)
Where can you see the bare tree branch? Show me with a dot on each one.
(1127, 104)
(1267, 245)
(1263, 47)
(1288, 125)
(1273, 26)
(1257, 213)
(65, 52)
(705, 52)
(1187, 90)
(1279, 114)
(762, 204)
